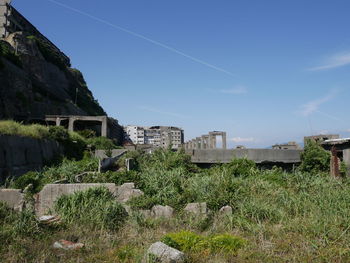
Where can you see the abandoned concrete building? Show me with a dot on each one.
(207, 141)
(158, 136)
(287, 146)
(101, 125)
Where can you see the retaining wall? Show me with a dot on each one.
(19, 155)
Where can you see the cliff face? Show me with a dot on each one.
(35, 81)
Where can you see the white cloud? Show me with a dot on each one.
(314, 105)
(240, 139)
(335, 61)
(236, 90)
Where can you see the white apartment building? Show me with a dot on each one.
(159, 136)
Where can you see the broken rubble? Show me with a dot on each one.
(67, 245)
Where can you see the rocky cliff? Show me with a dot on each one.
(35, 81)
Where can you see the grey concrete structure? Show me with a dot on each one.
(321, 138)
(206, 141)
(51, 192)
(14, 198)
(160, 252)
(287, 146)
(211, 156)
(340, 149)
(19, 155)
(72, 119)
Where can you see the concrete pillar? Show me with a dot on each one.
(335, 163)
(203, 142)
(193, 142)
(58, 121)
(71, 124)
(346, 159)
(224, 145)
(212, 141)
(198, 143)
(104, 127)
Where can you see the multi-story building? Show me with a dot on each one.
(158, 136)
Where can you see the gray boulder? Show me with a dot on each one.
(160, 252)
(159, 211)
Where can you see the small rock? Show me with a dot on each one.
(159, 211)
(226, 210)
(160, 252)
(67, 245)
(196, 208)
(48, 219)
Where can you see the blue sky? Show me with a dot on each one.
(265, 72)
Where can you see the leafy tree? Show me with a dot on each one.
(314, 159)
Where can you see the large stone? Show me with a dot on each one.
(127, 191)
(159, 252)
(14, 198)
(51, 192)
(196, 208)
(159, 211)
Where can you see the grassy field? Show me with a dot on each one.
(303, 216)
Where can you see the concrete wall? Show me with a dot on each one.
(346, 159)
(256, 155)
(14, 198)
(19, 155)
(51, 192)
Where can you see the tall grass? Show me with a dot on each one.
(14, 128)
(95, 207)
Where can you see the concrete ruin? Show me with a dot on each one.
(102, 125)
(206, 141)
(340, 150)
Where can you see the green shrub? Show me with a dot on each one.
(187, 241)
(101, 143)
(34, 178)
(242, 167)
(87, 133)
(314, 159)
(95, 207)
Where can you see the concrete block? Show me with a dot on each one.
(51, 192)
(225, 210)
(14, 198)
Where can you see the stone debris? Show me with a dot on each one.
(67, 245)
(127, 191)
(48, 220)
(160, 252)
(225, 210)
(196, 208)
(159, 211)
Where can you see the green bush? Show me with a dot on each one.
(101, 143)
(95, 207)
(187, 241)
(34, 178)
(314, 159)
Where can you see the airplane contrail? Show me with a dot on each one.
(174, 50)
